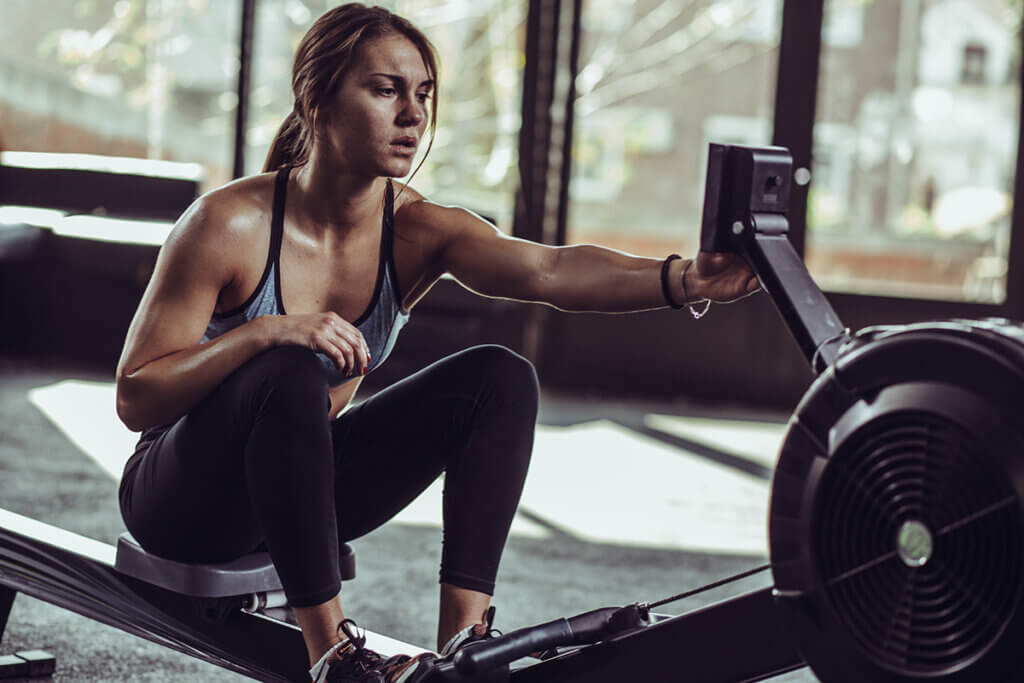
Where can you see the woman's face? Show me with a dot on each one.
(376, 121)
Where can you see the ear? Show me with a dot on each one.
(321, 118)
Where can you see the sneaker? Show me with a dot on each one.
(352, 662)
(473, 633)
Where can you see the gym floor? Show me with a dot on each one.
(626, 501)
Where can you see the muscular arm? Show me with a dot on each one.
(163, 370)
(571, 278)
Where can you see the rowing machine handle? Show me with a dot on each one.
(746, 197)
(581, 629)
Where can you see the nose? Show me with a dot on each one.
(412, 113)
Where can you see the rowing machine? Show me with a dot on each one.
(896, 525)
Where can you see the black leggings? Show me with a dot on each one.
(259, 460)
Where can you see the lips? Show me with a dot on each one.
(406, 141)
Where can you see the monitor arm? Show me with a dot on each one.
(745, 202)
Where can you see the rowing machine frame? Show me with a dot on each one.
(746, 199)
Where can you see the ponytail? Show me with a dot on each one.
(290, 146)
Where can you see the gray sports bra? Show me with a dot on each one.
(380, 323)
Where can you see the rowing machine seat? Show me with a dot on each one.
(253, 573)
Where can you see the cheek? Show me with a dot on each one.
(349, 131)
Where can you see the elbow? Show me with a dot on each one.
(129, 420)
(127, 410)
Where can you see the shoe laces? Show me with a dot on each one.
(363, 657)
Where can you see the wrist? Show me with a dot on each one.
(689, 287)
(265, 331)
(669, 276)
(692, 291)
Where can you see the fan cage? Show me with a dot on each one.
(914, 466)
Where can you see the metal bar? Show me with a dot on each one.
(561, 231)
(533, 133)
(532, 196)
(705, 645)
(244, 79)
(1014, 304)
(796, 97)
(7, 596)
(802, 305)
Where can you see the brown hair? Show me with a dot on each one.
(322, 59)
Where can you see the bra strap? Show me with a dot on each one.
(277, 218)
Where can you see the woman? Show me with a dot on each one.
(275, 294)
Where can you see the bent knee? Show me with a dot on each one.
(505, 371)
(288, 370)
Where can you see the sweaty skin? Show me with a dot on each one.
(369, 131)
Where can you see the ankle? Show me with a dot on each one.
(318, 670)
(319, 625)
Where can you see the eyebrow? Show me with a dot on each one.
(429, 83)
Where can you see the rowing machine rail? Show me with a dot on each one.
(78, 574)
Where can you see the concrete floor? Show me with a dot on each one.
(626, 502)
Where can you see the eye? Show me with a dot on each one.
(423, 96)
(387, 91)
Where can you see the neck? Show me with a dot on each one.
(334, 198)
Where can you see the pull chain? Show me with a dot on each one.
(695, 591)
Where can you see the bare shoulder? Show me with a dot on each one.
(415, 215)
(228, 217)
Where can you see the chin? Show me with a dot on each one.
(398, 168)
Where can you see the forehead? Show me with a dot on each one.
(392, 55)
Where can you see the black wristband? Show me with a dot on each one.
(665, 290)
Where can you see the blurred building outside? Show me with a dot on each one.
(915, 141)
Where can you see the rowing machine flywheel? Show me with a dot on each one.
(897, 511)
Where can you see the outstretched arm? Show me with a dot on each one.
(578, 277)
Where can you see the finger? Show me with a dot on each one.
(332, 343)
(328, 345)
(351, 358)
(356, 345)
(343, 339)
(322, 342)
(365, 348)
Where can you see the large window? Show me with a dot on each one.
(658, 81)
(474, 159)
(153, 79)
(915, 148)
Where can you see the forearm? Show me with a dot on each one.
(164, 389)
(592, 278)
